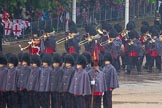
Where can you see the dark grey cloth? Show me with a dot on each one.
(23, 75)
(73, 43)
(89, 46)
(11, 84)
(80, 84)
(111, 76)
(33, 80)
(158, 46)
(55, 78)
(100, 81)
(44, 79)
(114, 48)
(65, 82)
(3, 77)
(50, 42)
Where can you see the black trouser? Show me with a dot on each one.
(81, 101)
(55, 100)
(2, 101)
(97, 101)
(44, 98)
(133, 61)
(158, 62)
(23, 99)
(33, 99)
(11, 99)
(147, 60)
(107, 99)
(66, 100)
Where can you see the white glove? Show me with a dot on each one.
(29, 43)
(22, 49)
(93, 82)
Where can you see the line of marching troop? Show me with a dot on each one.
(56, 81)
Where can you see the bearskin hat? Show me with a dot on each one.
(72, 27)
(81, 60)
(133, 34)
(68, 58)
(35, 59)
(3, 59)
(47, 58)
(145, 23)
(113, 33)
(13, 59)
(63, 56)
(118, 28)
(106, 26)
(91, 30)
(75, 56)
(108, 57)
(26, 58)
(8, 55)
(144, 29)
(57, 58)
(88, 57)
(130, 25)
(20, 56)
(155, 33)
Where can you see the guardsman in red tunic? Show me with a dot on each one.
(33, 45)
(72, 44)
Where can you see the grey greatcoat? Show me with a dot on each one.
(33, 80)
(64, 84)
(111, 77)
(44, 79)
(11, 84)
(3, 76)
(99, 78)
(23, 75)
(55, 79)
(80, 84)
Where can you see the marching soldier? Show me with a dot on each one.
(134, 51)
(80, 85)
(154, 45)
(11, 83)
(44, 81)
(72, 44)
(111, 80)
(3, 76)
(48, 43)
(33, 81)
(64, 84)
(113, 47)
(23, 75)
(55, 79)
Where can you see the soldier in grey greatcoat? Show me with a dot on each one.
(23, 74)
(3, 76)
(44, 81)
(80, 85)
(111, 81)
(33, 81)
(11, 87)
(55, 79)
(98, 84)
(64, 84)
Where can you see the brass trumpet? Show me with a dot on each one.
(89, 39)
(70, 36)
(108, 41)
(124, 32)
(149, 37)
(47, 35)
